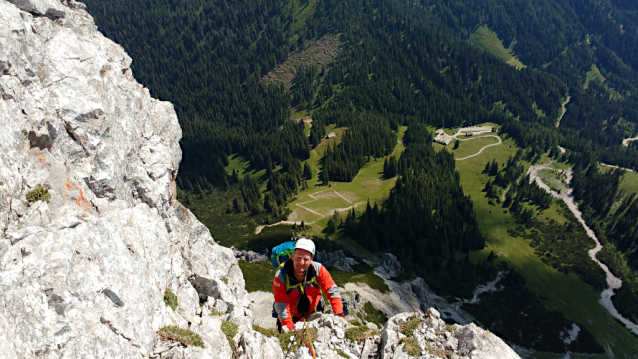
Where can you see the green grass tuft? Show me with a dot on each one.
(411, 346)
(230, 330)
(407, 328)
(39, 193)
(284, 339)
(184, 336)
(360, 333)
(170, 299)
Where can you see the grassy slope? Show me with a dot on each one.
(593, 75)
(487, 40)
(368, 184)
(629, 182)
(558, 291)
(469, 147)
(303, 10)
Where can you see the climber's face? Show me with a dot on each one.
(301, 259)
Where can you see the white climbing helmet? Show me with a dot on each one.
(306, 244)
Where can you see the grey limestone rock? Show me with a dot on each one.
(390, 267)
(84, 274)
(250, 256)
(436, 340)
(336, 259)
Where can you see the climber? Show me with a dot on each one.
(297, 288)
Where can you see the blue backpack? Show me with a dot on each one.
(281, 254)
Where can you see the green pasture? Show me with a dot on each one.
(471, 146)
(565, 293)
(368, 184)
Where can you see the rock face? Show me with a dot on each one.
(84, 275)
(432, 338)
(250, 256)
(390, 266)
(336, 259)
(429, 337)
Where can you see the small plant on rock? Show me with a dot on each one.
(360, 333)
(449, 328)
(184, 336)
(39, 193)
(411, 346)
(407, 328)
(170, 299)
(284, 339)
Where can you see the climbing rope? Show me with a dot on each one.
(305, 342)
(309, 338)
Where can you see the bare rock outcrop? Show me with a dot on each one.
(336, 259)
(83, 274)
(390, 266)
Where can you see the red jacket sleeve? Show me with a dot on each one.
(281, 303)
(330, 288)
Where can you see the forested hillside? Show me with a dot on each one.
(247, 154)
(574, 40)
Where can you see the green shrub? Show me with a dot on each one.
(225, 279)
(170, 299)
(411, 346)
(185, 336)
(39, 193)
(342, 354)
(230, 329)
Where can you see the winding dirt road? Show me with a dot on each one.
(564, 110)
(612, 281)
(626, 141)
(481, 150)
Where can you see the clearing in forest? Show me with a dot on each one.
(486, 39)
(317, 52)
(316, 204)
(594, 75)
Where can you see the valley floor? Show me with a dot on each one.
(565, 293)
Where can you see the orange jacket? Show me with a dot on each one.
(287, 290)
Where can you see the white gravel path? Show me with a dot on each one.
(613, 281)
(479, 152)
